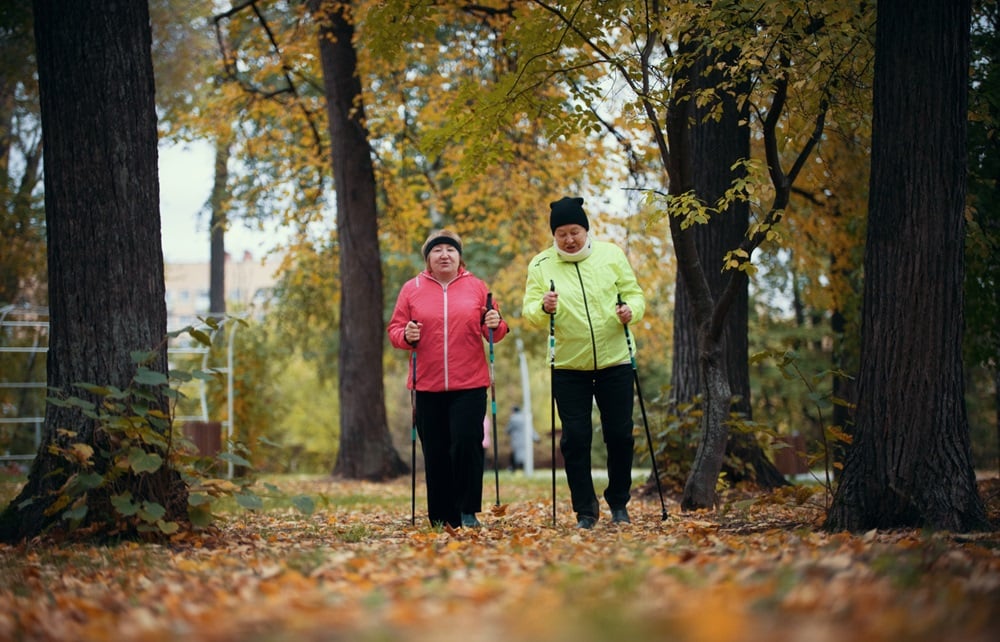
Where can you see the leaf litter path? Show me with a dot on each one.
(357, 570)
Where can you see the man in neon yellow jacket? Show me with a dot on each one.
(578, 283)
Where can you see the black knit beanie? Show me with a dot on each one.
(567, 211)
(442, 237)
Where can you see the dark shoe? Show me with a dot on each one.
(620, 516)
(586, 521)
(469, 520)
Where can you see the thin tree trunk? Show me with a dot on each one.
(218, 203)
(700, 488)
(366, 449)
(996, 399)
(910, 463)
(842, 389)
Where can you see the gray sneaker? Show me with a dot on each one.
(469, 520)
(586, 521)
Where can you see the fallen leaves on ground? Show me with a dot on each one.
(358, 570)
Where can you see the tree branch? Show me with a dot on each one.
(286, 71)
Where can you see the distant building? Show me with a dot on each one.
(249, 284)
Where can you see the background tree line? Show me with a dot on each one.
(725, 146)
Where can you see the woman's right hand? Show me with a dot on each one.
(550, 301)
(412, 332)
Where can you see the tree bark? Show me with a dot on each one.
(715, 146)
(105, 261)
(996, 399)
(366, 449)
(910, 463)
(842, 388)
(218, 204)
(699, 490)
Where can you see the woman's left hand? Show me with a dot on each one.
(624, 313)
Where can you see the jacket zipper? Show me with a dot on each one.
(444, 288)
(586, 308)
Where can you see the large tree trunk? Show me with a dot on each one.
(105, 262)
(705, 319)
(910, 463)
(699, 491)
(715, 146)
(366, 450)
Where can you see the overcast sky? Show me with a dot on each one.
(185, 183)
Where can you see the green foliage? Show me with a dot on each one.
(305, 322)
(675, 429)
(134, 440)
(822, 450)
(261, 382)
(285, 403)
(22, 215)
(305, 438)
(982, 247)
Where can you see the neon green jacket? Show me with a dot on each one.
(588, 334)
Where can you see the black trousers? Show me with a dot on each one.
(575, 392)
(450, 426)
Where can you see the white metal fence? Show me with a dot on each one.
(24, 331)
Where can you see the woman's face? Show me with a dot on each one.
(443, 261)
(570, 238)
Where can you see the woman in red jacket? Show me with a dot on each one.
(441, 315)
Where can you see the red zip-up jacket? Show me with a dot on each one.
(450, 353)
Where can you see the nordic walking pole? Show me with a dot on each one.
(493, 404)
(413, 439)
(642, 407)
(552, 398)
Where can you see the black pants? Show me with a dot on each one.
(575, 392)
(450, 425)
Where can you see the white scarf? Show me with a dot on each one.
(577, 256)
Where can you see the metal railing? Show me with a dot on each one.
(23, 319)
(9, 320)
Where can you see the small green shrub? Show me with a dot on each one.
(136, 440)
